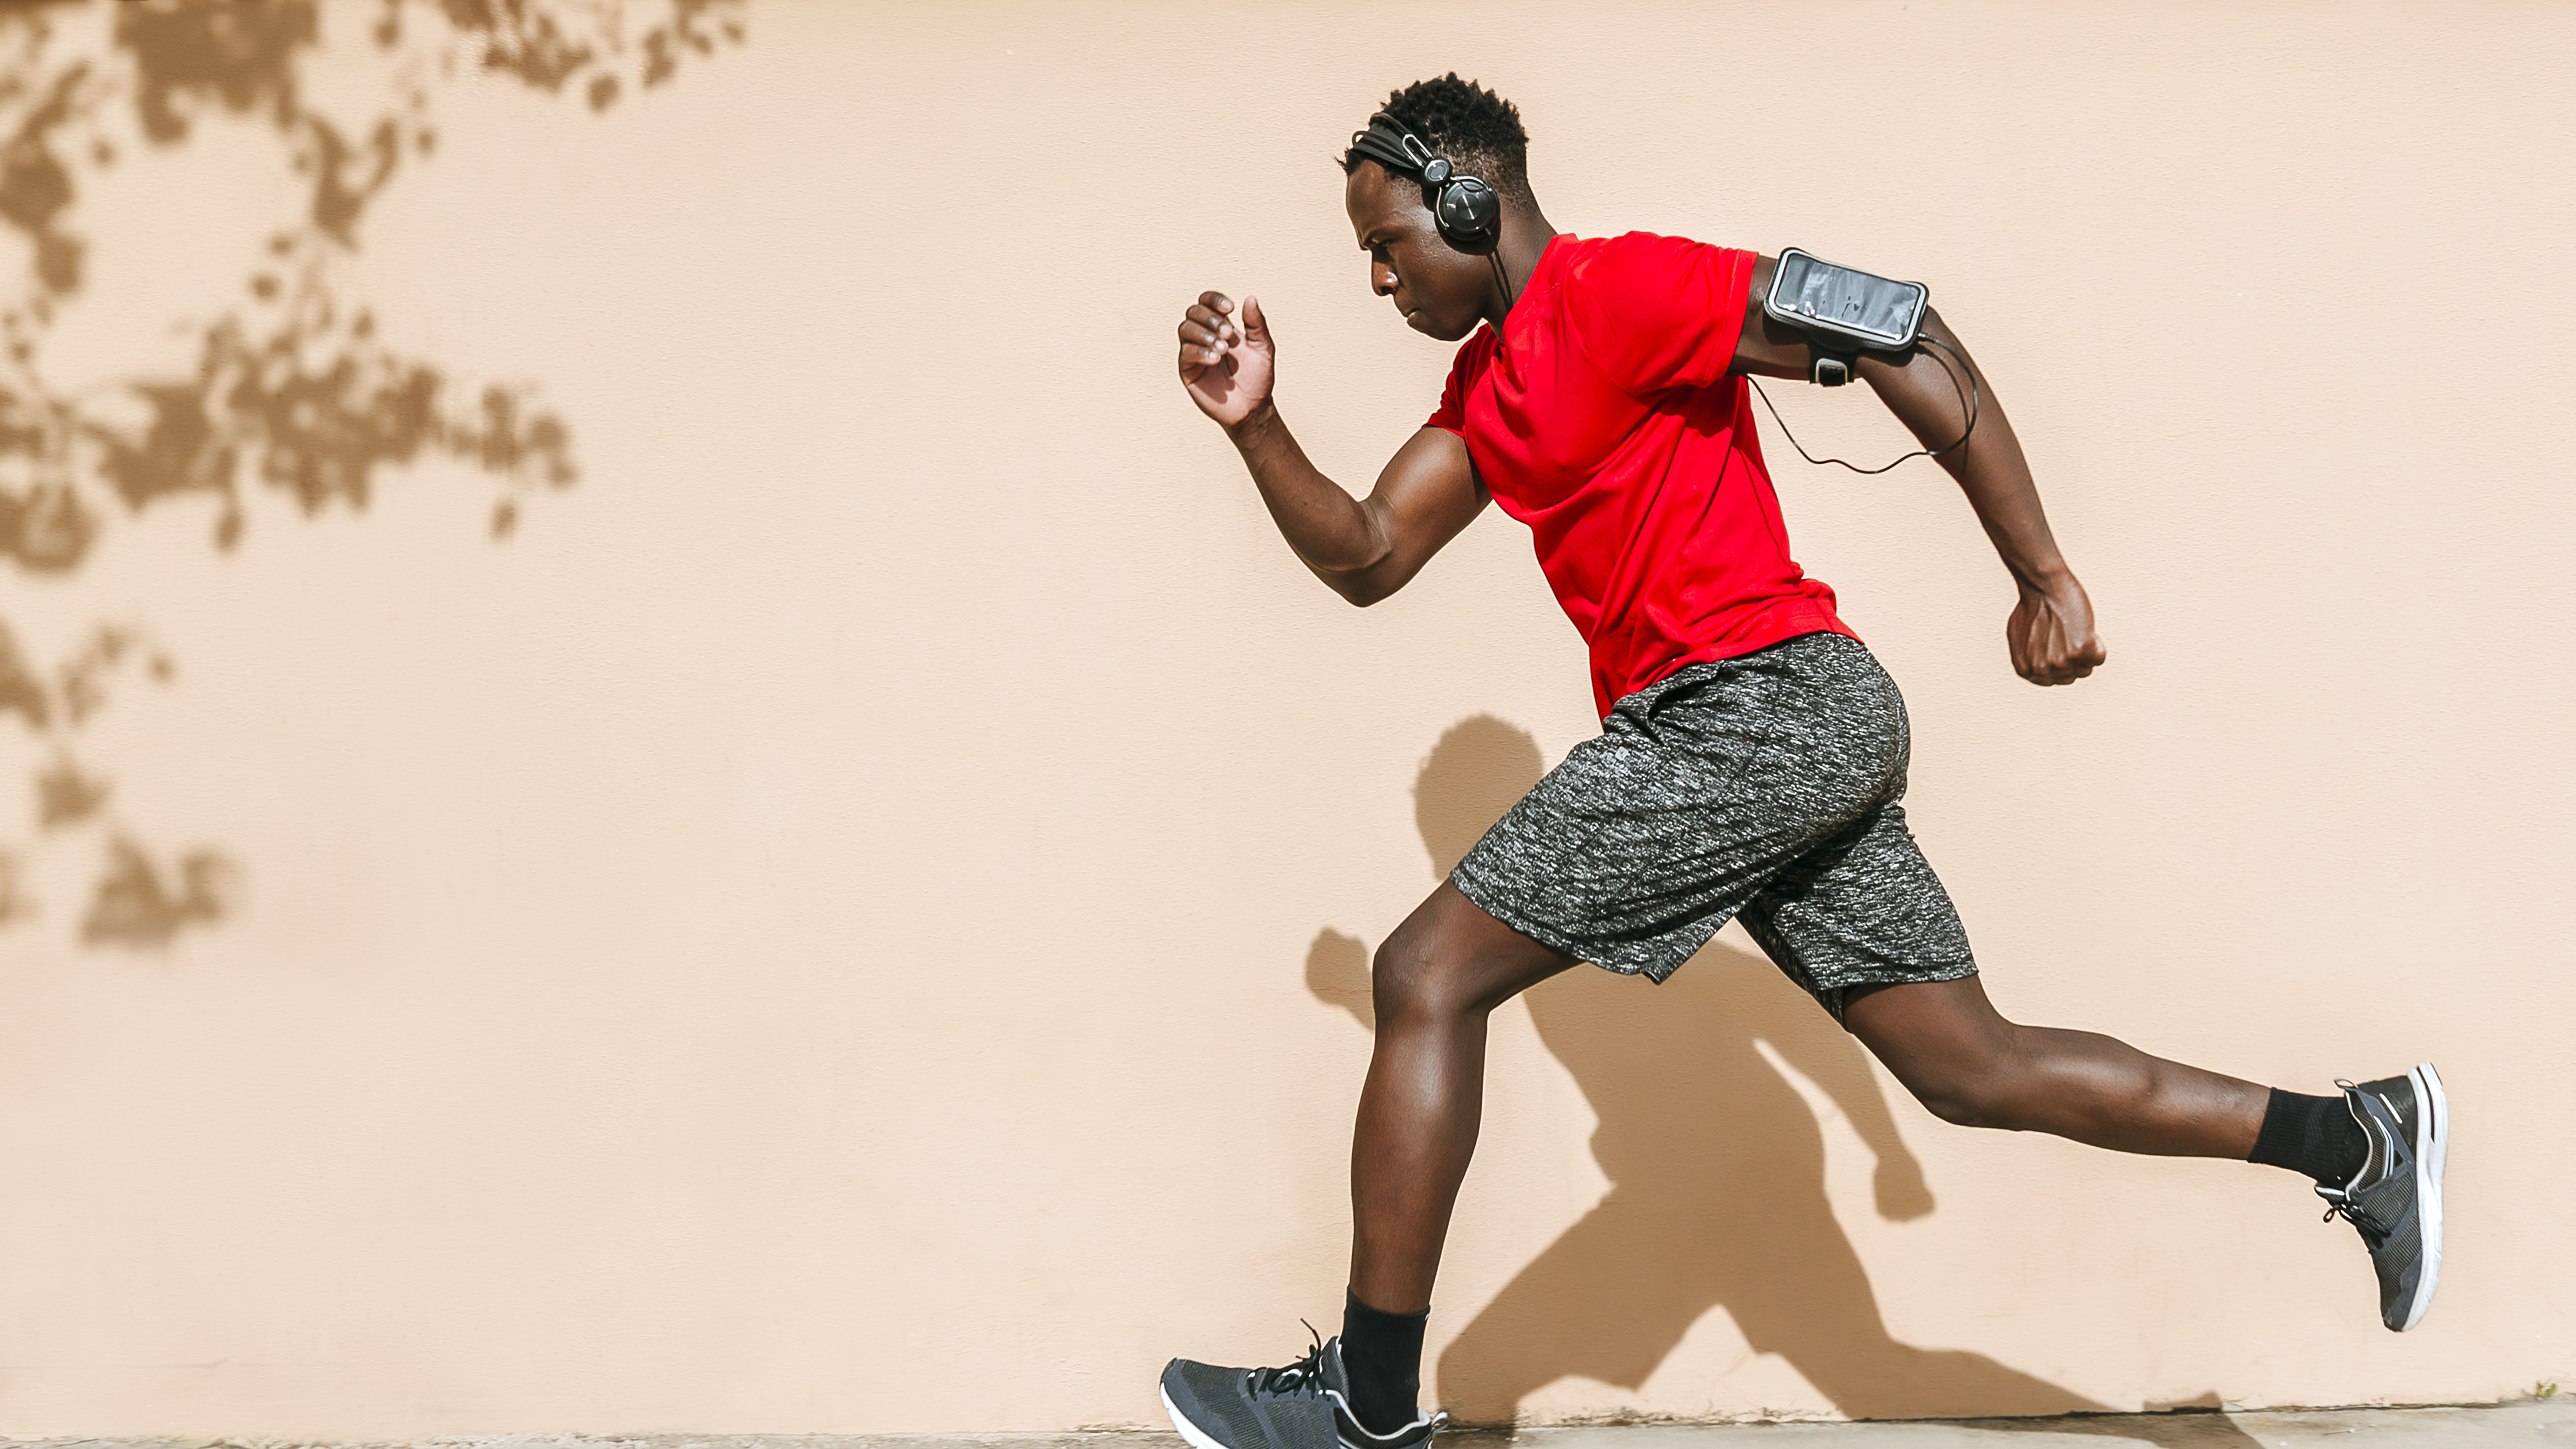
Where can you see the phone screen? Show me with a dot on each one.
(1852, 301)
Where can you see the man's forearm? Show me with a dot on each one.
(1332, 532)
(1930, 394)
(2050, 631)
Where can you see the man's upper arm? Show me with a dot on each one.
(1767, 348)
(1426, 495)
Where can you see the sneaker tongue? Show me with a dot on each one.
(1301, 1377)
(1331, 1371)
(2376, 1140)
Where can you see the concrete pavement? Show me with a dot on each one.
(2545, 1424)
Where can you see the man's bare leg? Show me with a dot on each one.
(2376, 1152)
(1436, 981)
(1965, 1062)
(1433, 985)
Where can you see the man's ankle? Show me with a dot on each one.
(2313, 1135)
(1382, 1354)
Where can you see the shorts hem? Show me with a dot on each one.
(1478, 897)
(1832, 997)
(1657, 966)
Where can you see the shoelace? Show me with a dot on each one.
(2340, 1205)
(1303, 1379)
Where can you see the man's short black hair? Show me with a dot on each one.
(1478, 131)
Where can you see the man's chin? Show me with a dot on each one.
(1425, 324)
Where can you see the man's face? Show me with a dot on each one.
(1440, 290)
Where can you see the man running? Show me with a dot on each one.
(1752, 753)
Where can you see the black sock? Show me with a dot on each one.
(2314, 1135)
(1383, 1354)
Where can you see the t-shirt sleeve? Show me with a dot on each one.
(1452, 412)
(1659, 312)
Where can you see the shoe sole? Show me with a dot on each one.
(1198, 1438)
(2432, 1149)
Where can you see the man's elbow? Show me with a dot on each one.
(1368, 583)
(1360, 590)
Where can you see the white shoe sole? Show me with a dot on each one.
(2432, 1149)
(1196, 1439)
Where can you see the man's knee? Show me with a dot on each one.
(1961, 1059)
(1418, 975)
(1405, 979)
(1986, 1086)
(1970, 1101)
(1452, 961)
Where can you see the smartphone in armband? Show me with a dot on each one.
(1844, 310)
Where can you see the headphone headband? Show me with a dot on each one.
(1389, 143)
(1468, 211)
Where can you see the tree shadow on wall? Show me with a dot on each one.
(1716, 1167)
(293, 388)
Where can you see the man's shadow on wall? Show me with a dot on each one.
(1716, 1168)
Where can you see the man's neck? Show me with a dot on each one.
(1525, 239)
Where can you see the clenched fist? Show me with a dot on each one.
(2051, 634)
(1226, 365)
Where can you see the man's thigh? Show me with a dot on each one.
(1698, 792)
(1864, 909)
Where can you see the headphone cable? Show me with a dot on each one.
(1972, 400)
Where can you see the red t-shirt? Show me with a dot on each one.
(1604, 418)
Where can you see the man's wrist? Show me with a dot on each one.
(2054, 578)
(1243, 430)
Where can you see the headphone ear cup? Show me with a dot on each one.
(1469, 214)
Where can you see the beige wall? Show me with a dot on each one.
(843, 919)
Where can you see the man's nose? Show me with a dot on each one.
(1382, 281)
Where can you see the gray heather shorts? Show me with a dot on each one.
(1764, 786)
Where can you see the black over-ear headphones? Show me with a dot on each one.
(1468, 211)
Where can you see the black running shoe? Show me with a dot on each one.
(1305, 1405)
(2396, 1197)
